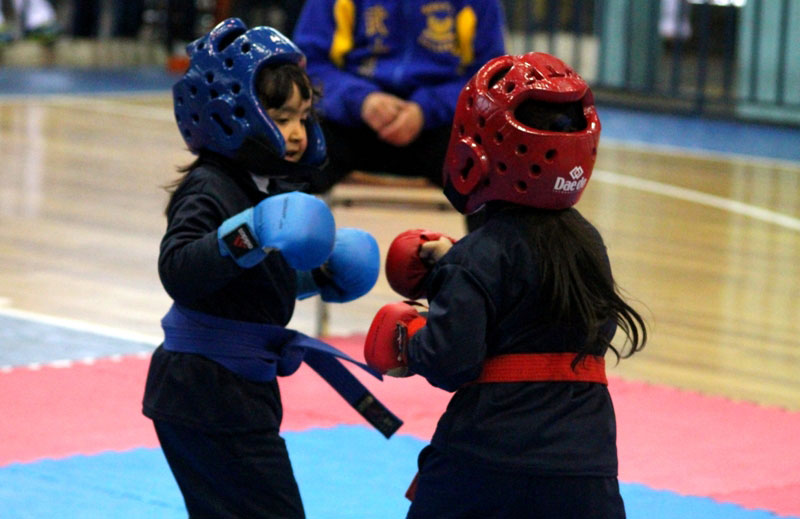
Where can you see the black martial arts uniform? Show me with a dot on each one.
(219, 431)
(513, 449)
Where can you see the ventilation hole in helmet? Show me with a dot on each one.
(187, 134)
(481, 122)
(464, 173)
(461, 130)
(594, 151)
(550, 155)
(520, 186)
(522, 149)
(225, 128)
(201, 46)
(486, 182)
(510, 87)
(210, 77)
(228, 38)
(236, 88)
(179, 100)
(535, 170)
(470, 102)
(501, 167)
(193, 90)
(214, 94)
(238, 111)
(498, 137)
(195, 117)
(245, 48)
(228, 63)
(477, 139)
(534, 74)
(553, 72)
(500, 74)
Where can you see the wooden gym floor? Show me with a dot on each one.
(706, 244)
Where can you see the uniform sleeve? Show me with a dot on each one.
(449, 351)
(325, 33)
(190, 264)
(480, 29)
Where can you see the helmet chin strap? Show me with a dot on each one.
(457, 200)
(259, 158)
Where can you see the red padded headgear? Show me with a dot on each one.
(493, 156)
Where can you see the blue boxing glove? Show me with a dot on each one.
(350, 272)
(300, 226)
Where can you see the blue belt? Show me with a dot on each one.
(259, 352)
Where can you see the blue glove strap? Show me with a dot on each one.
(237, 239)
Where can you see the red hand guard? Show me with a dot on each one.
(405, 270)
(388, 336)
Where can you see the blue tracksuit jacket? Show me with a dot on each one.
(420, 50)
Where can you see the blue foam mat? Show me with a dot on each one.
(18, 334)
(344, 472)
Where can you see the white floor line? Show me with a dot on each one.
(68, 363)
(698, 197)
(699, 153)
(107, 107)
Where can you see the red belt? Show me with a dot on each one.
(536, 367)
(543, 367)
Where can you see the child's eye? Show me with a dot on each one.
(281, 120)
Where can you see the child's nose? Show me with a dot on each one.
(298, 131)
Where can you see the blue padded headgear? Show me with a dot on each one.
(216, 102)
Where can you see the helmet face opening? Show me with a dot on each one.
(531, 123)
(218, 103)
(551, 117)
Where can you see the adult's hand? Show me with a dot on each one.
(405, 127)
(380, 109)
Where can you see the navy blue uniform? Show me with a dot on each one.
(498, 446)
(219, 431)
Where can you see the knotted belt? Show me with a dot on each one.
(260, 352)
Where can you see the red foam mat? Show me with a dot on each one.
(709, 446)
(82, 408)
(668, 439)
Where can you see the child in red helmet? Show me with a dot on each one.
(522, 311)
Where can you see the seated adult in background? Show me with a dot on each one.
(390, 74)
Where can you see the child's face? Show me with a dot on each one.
(290, 119)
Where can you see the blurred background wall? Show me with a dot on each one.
(736, 59)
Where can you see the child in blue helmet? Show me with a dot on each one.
(241, 245)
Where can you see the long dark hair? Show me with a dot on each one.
(275, 85)
(578, 286)
(577, 281)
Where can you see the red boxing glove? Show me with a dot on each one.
(386, 346)
(405, 268)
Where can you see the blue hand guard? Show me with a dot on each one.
(352, 268)
(300, 226)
